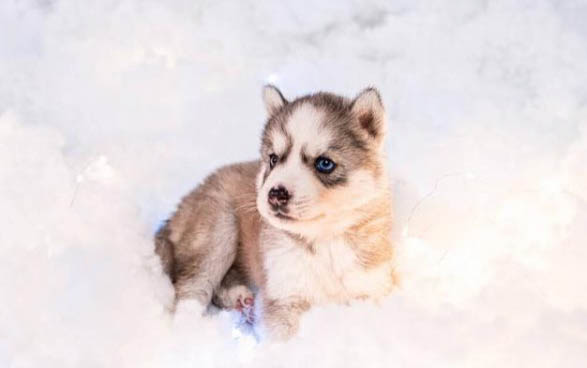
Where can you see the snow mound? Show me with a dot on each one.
(110, 111)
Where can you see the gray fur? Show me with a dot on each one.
(211, 247)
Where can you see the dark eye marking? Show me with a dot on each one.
(324, 165)
(336, 147)
(273, 160)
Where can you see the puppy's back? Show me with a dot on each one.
(227, 193)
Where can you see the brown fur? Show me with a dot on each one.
(183, 243)
(218, 241)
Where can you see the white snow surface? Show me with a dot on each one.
(110, 111)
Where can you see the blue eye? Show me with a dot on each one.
(324, 165)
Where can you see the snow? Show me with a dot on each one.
(110, 111)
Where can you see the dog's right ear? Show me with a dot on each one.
(273, 99)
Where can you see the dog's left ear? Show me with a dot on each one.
(273, 99)
(368, 109)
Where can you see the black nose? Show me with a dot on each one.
(278, 196)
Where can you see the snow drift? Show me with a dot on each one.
(110, 111)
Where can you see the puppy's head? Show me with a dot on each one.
(321, 160)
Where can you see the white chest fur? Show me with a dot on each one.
(329, 273)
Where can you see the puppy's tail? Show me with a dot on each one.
(165, 250)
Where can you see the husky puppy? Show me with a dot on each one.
(308, 223)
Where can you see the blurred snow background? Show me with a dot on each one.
(110, 111)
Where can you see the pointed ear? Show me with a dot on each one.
(273, 99)
(368, 109)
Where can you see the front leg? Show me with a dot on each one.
(282, 316)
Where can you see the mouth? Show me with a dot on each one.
(282, 216)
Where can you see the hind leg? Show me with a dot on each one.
(233, 292)
(204, 257)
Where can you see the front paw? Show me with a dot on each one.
(281, 327)
(282, 320)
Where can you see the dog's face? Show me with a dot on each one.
(322, 160)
